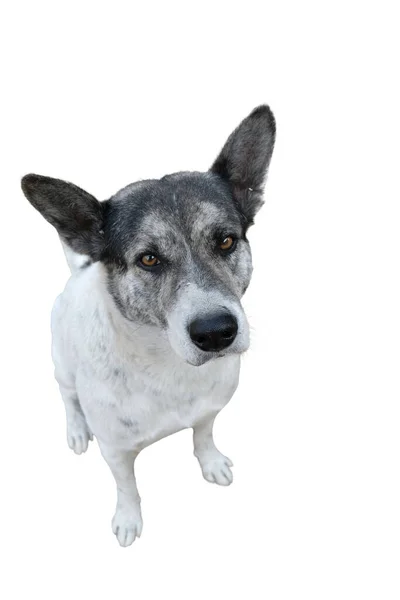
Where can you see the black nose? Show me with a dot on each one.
(213, 332)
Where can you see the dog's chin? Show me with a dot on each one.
(203, 359)
(206, 357)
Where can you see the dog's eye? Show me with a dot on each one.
(149, 261)
(228, 243)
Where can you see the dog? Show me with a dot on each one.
(148, 333)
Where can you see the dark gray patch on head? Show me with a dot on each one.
(181, 219)
(172, 204)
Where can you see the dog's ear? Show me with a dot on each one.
(77, 216)
(243, 161)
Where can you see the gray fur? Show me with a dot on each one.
(128, 423)
(181, 224)
(245, 158)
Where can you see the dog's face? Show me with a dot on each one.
(177, 257)
(175, 250)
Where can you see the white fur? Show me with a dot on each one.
(123, 383)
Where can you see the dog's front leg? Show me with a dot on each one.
(78, 432)
(215, 466)
(127, 522)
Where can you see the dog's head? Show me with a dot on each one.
(175, 249)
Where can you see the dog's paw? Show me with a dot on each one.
(127, 525)
(216, 469)
(78, 434)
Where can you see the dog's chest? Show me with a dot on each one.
(133, 408)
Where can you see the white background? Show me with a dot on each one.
(103, 94)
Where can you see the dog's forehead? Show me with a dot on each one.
(176, 207)
(189, 219)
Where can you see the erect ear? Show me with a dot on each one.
(243, 161)
(77, 216)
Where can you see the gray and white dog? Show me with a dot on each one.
(148, 333)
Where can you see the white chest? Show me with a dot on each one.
(131, 406)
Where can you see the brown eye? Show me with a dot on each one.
(149, 260)
(227, 243)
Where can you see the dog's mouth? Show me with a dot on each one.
(204, 360)
(208, 357)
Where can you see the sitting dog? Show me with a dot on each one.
(148, 333)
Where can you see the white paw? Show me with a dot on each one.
(78, 434)
(127, 525)
(216, 469)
